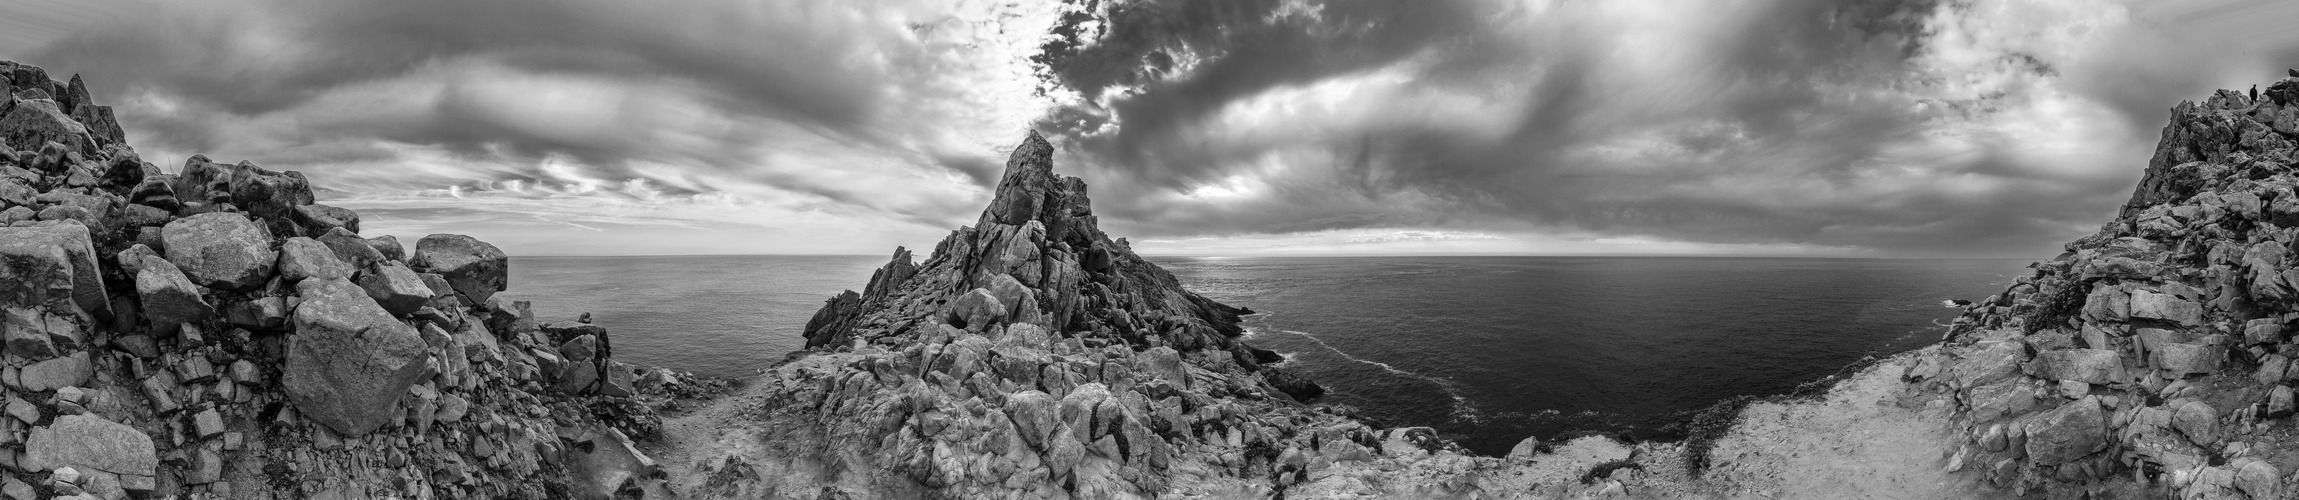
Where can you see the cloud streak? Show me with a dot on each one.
(1909, 127)
(1871, 127)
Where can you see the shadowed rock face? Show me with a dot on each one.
(2155, 345)
(193, 335)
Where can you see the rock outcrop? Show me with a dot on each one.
(2152, 353)
(214, 333)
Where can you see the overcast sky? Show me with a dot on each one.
(1232, 127)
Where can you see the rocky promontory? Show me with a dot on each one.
(215, 333)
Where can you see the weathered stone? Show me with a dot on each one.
(2091, 366)
(318, 219)
(207, 423)
(220, 250)
(2258, 478)
(2165, 307)
(301, 258)
(612, 464)
(2198, 421)
(388, 246)
(337, 321)
(475, 268)
(2181, 359)
(2263, 331)
(396, 288)
(35, 122)
(262, 313)
(349, 248)
(2067, 433)
(169, 297)
(1036, 415)
(35, 333)
(975, 311)
(90, 442)
(580, 348)
(262, 192)
(66, 371)
(53, 266)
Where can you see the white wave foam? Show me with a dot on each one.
(1463, 410)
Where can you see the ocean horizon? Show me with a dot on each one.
(1485, 349)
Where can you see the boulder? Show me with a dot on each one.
(53, 265)
(2091, 366)
(156, 191)
(168, 297)
(398, 289)
(2263, 331)
(337, 321)
(975, 311)
(36, 122)
(2180, 359)
(388, 246)
(36, 333)
(67, 371)
(265, 193)
(89, 442)
(2165, 307)
(1036, 415)
(1990, 362)
(303, 258)
(2198, 421)
(318, 219)
(2067, 433)
(475, 268)
(1296, 386)
(350, 248)
(220, 250)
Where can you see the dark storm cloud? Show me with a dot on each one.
(1894, 125)
(708, 96)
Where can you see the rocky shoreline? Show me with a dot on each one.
(217, 333)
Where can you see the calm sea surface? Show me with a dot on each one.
(1487, 350)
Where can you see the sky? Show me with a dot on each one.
(1902, 128)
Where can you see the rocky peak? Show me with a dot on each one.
(2157, 345)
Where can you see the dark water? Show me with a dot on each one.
(1486, 349)
(1491, 350)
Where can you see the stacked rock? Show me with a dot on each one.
(2153, 349)
(1034, 357)
(216, 332)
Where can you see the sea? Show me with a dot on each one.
(1486, 350)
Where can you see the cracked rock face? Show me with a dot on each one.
(2156, 344)
(349, 361)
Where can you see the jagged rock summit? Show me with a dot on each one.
(2153, 355)
(215, 333)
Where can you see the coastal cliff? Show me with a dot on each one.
(215, 333)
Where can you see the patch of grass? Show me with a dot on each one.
(1708, 426)
(1606, 469)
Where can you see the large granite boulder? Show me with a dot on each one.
(67, 371)
(220, 250)
(90, 442)
(318, 219)
(303, 258)
(2069, 432)
(396, 288)
(169, 297)
(35, 122)
(338, 322)
(53, 265)
(271, 195)
(475, 268)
